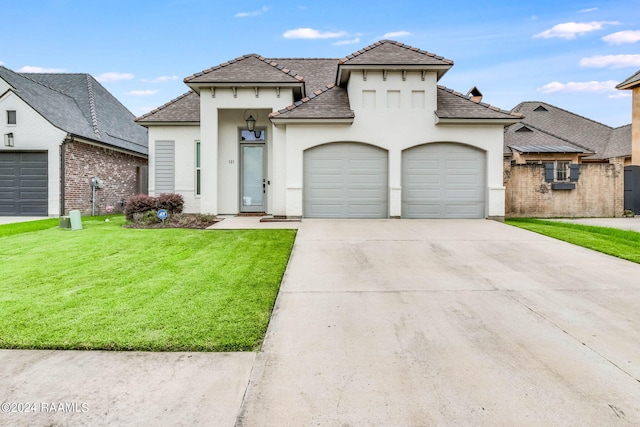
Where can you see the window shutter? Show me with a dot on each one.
(548, 172)
(574, 172)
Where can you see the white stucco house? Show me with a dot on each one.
(371, 135)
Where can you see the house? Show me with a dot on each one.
(560, 164)
(371, 135)
(66, 139)
(632, 171)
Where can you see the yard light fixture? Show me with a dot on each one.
(8, 139)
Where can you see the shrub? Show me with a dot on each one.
(171, 202)
(139, 203)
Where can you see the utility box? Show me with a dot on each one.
(65, 222)
(76, 221)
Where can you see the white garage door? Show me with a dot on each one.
(345, 180)
(23, 184)
(443, 180)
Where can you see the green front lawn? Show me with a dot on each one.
(623, 244)
(114, 288)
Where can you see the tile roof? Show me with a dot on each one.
(389, 52)
(547, 149)
(454, 105)
(330, 102)
(250, 68)
(185, 108)
(80, 106)
(317, 72)
(526, 138)
(555, 123)
(631, 82)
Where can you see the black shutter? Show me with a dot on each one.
(574, 172)
(548, 172)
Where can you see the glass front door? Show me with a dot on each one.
(253, 183)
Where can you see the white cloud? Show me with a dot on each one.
(572, 87)
(114, 77)
(252, 13)
(141, 92)
(569, 30)
(310, 33)
(620, 94)
(1, 63)
(622, 37)
(611, 61)
(31, 69)
(592, 9)
(396, 34)
(161, 79)
(345, 42)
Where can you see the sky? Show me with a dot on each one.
(570, 54)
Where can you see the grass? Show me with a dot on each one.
(113, 288)
(623, 244)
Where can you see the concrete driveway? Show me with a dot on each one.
(445, 322)
(385, 323)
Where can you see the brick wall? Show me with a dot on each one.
(118, 171)
(599, 192)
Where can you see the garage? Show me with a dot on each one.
(346, 180)
(23, 184)
(443, 180)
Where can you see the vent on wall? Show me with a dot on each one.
(540, 108)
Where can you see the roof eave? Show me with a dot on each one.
(199, 85)
(166, 123)
(477, 121)
(627, 86)
(344, 70)
(309, 121)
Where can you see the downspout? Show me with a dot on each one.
(63, 172)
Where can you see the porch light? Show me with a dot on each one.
(8, 139)
(251, 123)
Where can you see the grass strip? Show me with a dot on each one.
(112, 288)
(623, 244)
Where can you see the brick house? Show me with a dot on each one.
(560, 164)
(65, 134)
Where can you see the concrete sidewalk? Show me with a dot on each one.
(621, 223)
(235, 222)
(14, 219)
(445, 322)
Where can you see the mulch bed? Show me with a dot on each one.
(193, 221)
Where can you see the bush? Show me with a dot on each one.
(139, 203)
(171, 202)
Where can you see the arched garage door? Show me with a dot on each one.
(443, 180)
(345, 180)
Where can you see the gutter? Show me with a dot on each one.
(69, 138)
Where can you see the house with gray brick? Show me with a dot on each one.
(66, 139)
(371, 135)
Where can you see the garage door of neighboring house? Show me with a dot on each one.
(165, 153)
(346, 180)
(23, 184)
(443, 180)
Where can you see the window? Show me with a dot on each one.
(11, 117)
(197, 168)
(556, 171)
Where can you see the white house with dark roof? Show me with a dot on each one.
(59, 132)
(371, 135)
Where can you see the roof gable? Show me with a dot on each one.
(246, 69)
(389, 52)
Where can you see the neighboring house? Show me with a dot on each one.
(371, 135)
(558, 163)
(632, 171)
(60, 132)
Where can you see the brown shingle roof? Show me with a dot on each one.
(330, 102)
(454, 105)
(250, 68)
(389, 52)
(185, 108)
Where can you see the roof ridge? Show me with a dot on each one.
(27, 76)
(243, 57)
(566, 111)
(92, 109)
(165, 105)
(304, 100)
(396, 43)
(483, 104)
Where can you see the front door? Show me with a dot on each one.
(253, 178)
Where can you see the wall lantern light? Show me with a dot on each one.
(8, 139)
(251, 116)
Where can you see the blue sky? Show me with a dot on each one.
(567, 53)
